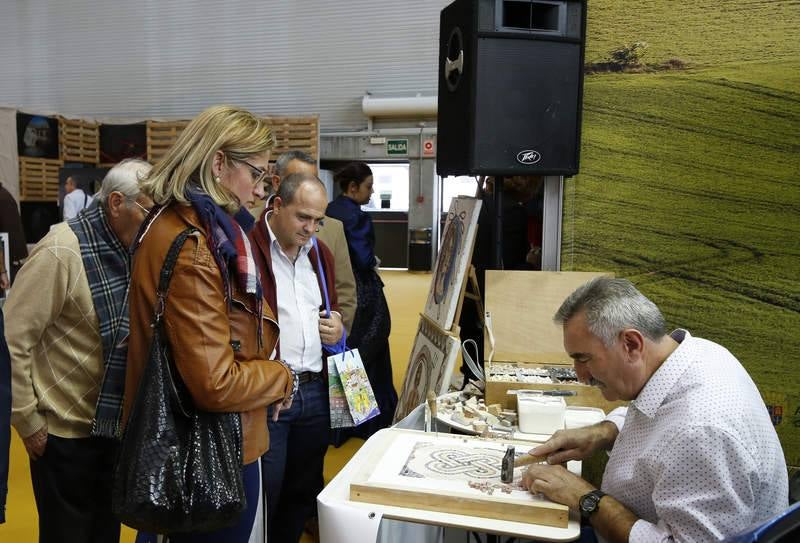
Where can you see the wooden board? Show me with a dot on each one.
(494, 507)
(588, 396)
(38, 179)
(295, 133)
(522, 305)
(161, 135)
(377, 483)
(79, 141)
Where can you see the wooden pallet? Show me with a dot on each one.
(79, 141)
(161, 135)
(38, 179)
(295, 133)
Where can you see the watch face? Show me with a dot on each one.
(589, 503)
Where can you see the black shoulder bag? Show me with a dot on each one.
(179, 469)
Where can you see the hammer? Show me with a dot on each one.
(511, 461)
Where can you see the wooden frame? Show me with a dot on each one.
(38, 179)
(79, 141)
(517, 505)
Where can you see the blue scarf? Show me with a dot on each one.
(230, 247)
(108, 269)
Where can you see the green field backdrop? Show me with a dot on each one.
(690, 179)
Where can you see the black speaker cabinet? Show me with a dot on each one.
(510, 87)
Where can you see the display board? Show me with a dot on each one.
(429, 368)
(452, 263)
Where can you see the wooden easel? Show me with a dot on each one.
(471, 291)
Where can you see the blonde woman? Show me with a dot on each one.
(220, 332)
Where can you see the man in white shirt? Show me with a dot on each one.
(330, 231)
(694, 457)
(295, 276)
(75, 200)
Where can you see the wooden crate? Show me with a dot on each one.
(38, 179)
(161, 135)
(295, 134)
(79, 141)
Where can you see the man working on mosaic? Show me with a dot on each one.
(695, 456)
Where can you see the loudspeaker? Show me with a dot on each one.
(510, 87)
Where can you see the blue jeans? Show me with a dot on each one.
(292, 468)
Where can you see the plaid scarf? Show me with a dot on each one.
(227, 241)
(107, 265)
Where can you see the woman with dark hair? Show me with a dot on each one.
(372, 323)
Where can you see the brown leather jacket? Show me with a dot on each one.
(200, 331)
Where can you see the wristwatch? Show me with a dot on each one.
(589, 503)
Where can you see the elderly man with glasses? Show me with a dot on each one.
(67, 327)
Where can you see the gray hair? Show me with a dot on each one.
(612, 305)
(289, 186)
(283, 161)
(124, 178)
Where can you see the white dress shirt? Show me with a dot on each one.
(697, 457)
(74, 202)
(299, 300)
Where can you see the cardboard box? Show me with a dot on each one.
(520, 307)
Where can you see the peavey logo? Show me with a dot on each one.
(529, 156)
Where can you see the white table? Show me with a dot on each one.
(345, 521)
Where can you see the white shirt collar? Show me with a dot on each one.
(276, 245)
(662, 381)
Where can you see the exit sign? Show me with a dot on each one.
(397, 147)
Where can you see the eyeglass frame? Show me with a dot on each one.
(140, 206)
(262, 173)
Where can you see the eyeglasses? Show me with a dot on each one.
(140, 206)
(259, 174)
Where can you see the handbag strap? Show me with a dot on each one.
(166, 272)
(178, 388)
(341, 346)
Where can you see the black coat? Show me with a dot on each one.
(11, 222)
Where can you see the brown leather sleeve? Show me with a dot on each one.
(198, 330)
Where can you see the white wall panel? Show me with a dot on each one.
(173, 58)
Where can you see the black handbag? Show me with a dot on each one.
(179, 469)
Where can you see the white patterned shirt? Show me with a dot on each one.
(299, 300)
(697, 457)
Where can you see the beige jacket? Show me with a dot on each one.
(52, 334)
(331, 233)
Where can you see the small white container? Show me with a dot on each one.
(540, 414)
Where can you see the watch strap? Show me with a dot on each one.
(591, 499)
